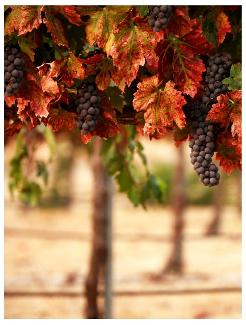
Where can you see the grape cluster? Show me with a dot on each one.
(88, 107)
(218, 68)
(202, 143)
(13, 69)
(159, 17)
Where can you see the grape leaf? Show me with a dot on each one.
(66, 69)
(28, 44)
(71, 13)
(177, 54)
(48, 84)
(74, 66)
(234, 82)
(32, 101)
(228, 154)
(227, 111)
(223, 26)
(143, 10)
(133, 44)
(23, 19)
(103, 78)
(54, 27)
(209, 27)
(162, 107)
(59, 119)
(102, 22)
(116, 99)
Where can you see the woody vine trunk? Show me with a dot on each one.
(100, 249)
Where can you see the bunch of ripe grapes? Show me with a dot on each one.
(88, 107)
(159, 17)
(13, 69)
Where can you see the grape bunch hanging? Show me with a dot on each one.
(88, 107)
(202, 143)
(13, 69)
(203, 133)
(159, 17)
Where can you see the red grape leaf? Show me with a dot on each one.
(54, 27)
(66, 70)
(178, 53)
(60, 119)
(106, 72)
(9, 100)
(74, 66)
(228, 153)
(31, 97)
(101, 24)
(71, 13)
(228, 111)
(133, 43)
(103, 80)
(23, 19)
(90, 64)
(48, 84)
(11, 129)
(162, 107)
(179, 24)
(223, 26)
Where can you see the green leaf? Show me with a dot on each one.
(119, 156)
(157, 187)
(125, 180)
(27, 46)
(57, 55)
(30, 193)
(143, 10)
(234, 82)
(209, 28)
(42, 171)
(50, 139)
(116, 98)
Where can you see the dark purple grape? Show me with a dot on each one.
(87, 95)
(17, 61)
(213, 181)
(206, 181)
(93, 99)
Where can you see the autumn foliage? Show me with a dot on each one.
(153, 73)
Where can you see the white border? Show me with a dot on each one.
(124, 321)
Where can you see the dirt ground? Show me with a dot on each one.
(48, 250)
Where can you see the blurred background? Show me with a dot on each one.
(177, 259)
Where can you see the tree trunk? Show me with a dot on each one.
(213, 228)
(175, 262)
(100, 260)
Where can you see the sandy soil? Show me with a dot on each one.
(140, 247)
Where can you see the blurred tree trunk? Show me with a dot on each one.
(175, 262)
(101, 219)
(213, 228)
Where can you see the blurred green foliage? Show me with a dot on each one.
(196, 193)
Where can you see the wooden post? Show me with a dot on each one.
(175, 262)
(213, 228)
(108, 269)
(100, 260)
